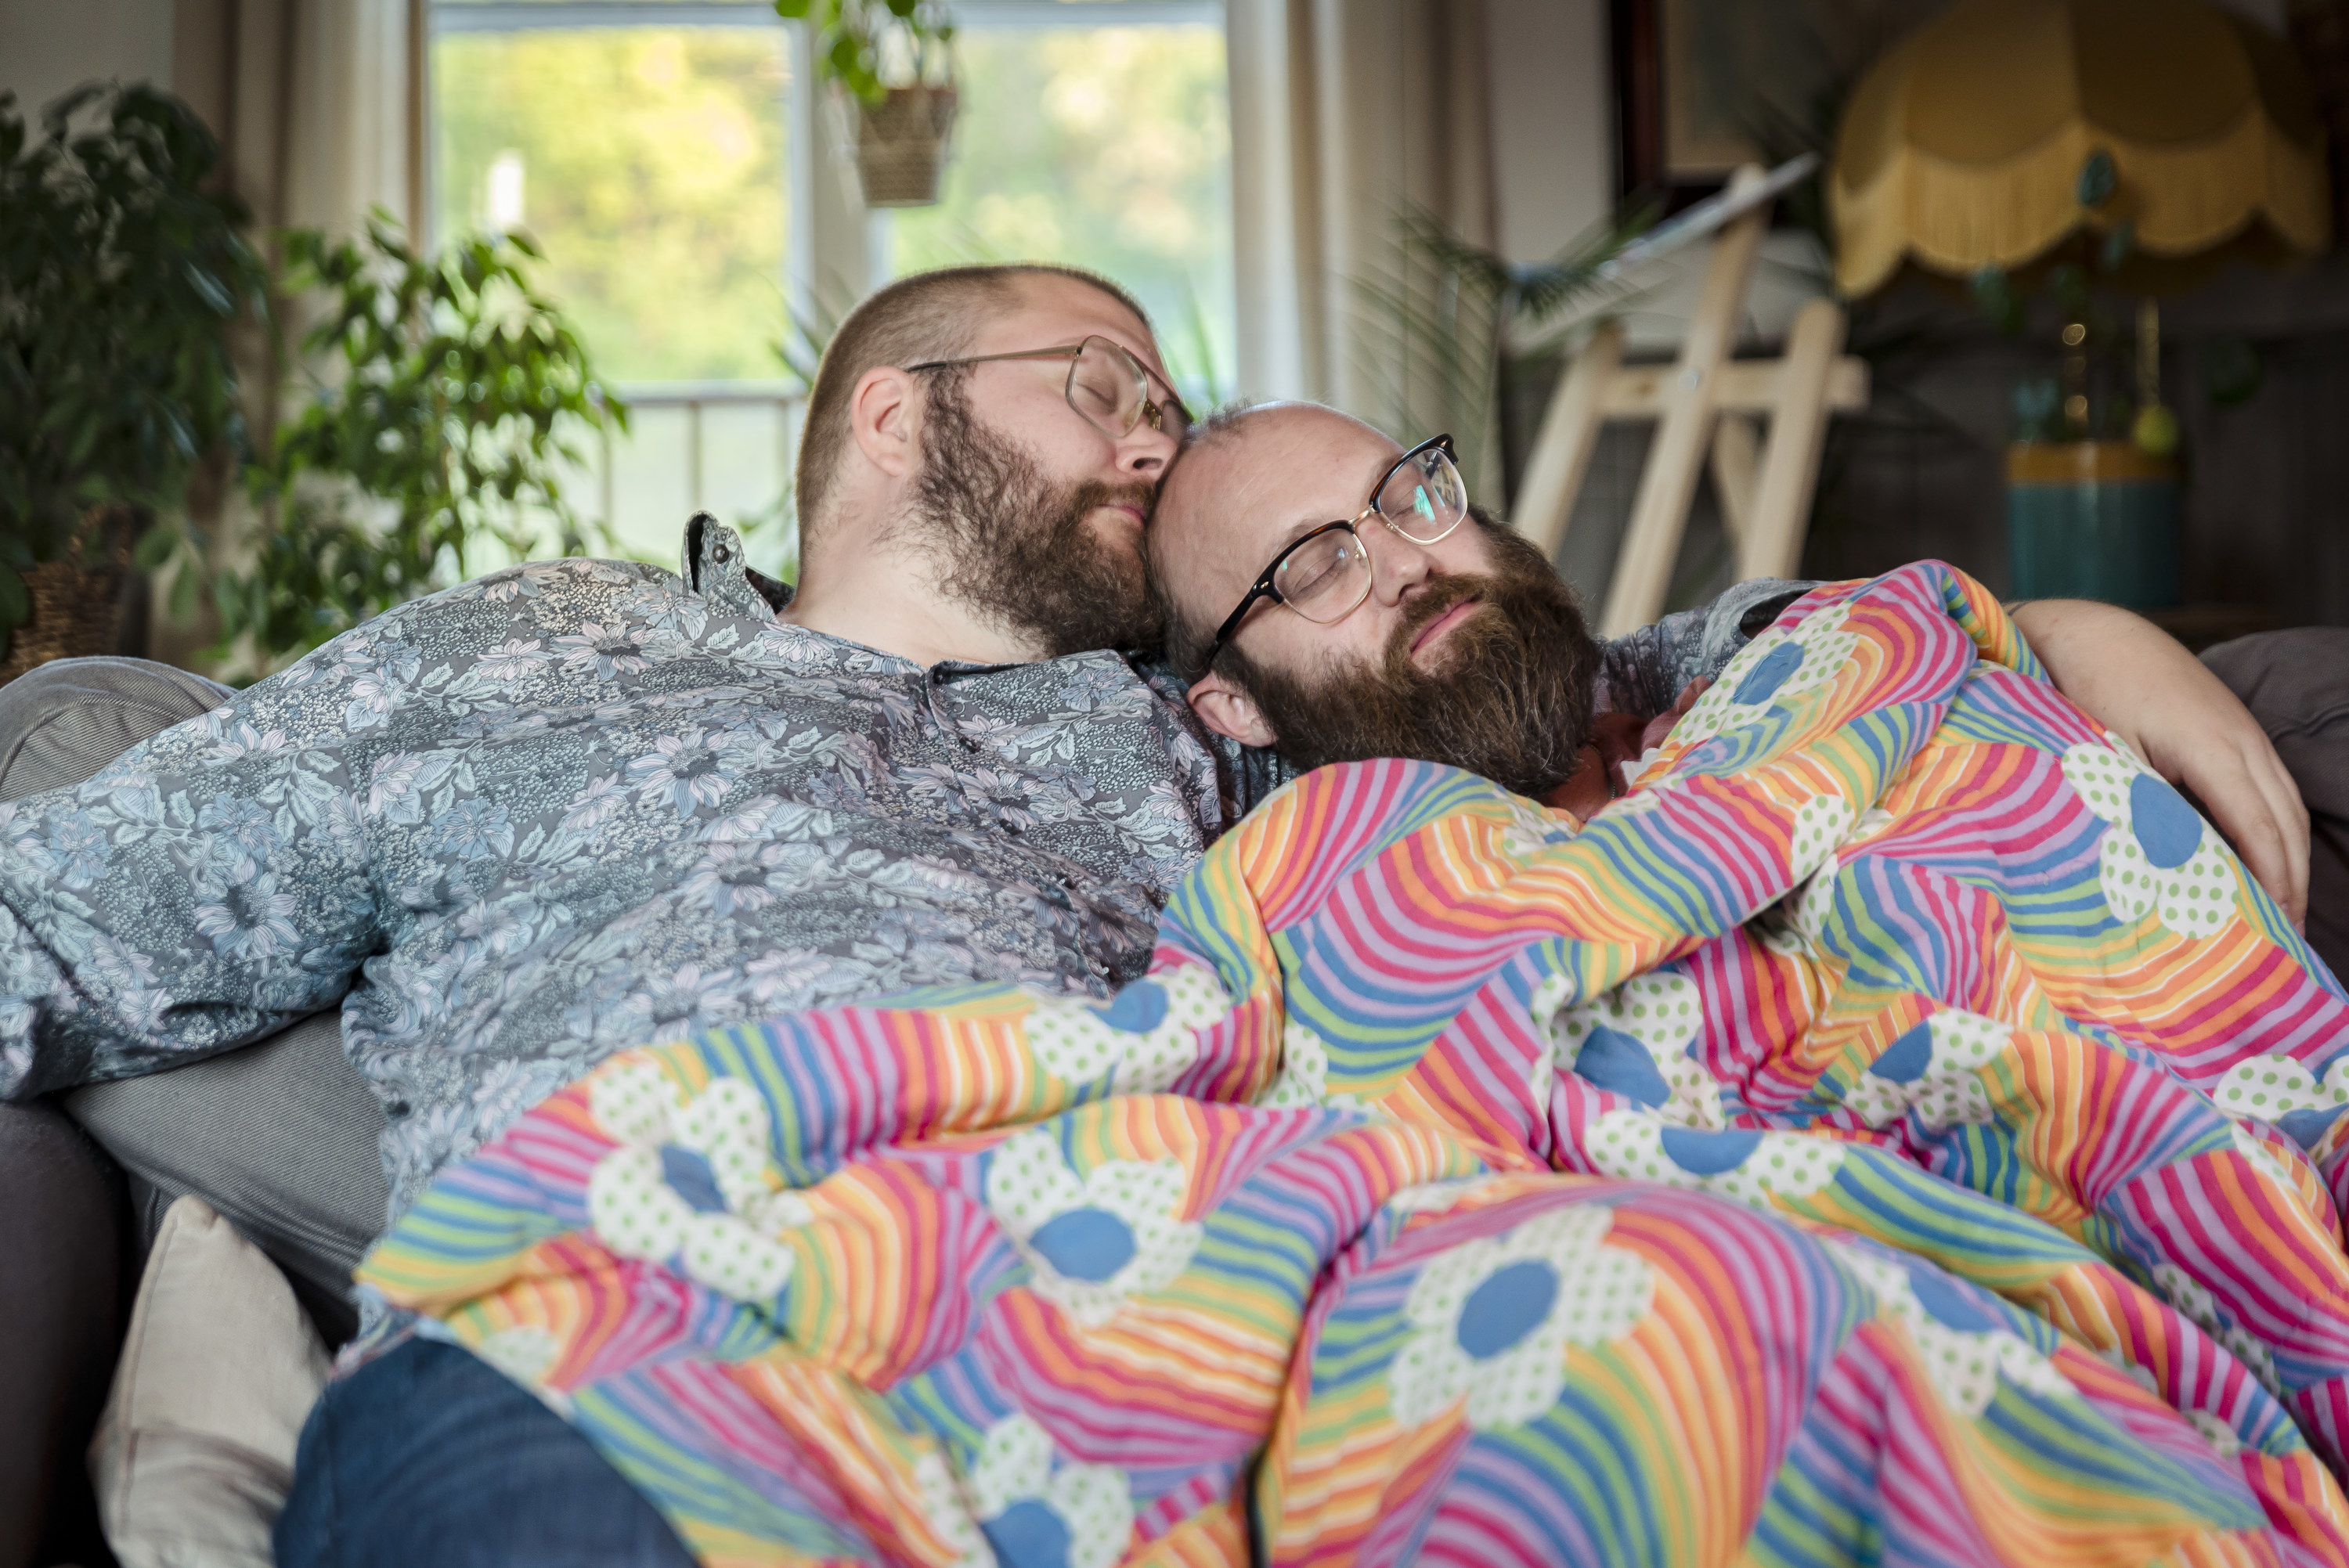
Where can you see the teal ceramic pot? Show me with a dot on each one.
(2092, 520)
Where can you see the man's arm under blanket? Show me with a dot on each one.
(1642, 673)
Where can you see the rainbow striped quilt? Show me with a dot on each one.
(1897, 1130)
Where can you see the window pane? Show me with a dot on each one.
(648, 163)
(1107, 148)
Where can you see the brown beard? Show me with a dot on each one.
(1016, 549)
(1510, 697)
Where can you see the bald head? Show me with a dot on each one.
(1251, 481)
(1422, 628)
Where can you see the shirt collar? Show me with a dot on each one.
(710, 561)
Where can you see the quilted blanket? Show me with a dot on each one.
(1897, 1129)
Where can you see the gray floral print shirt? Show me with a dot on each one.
(576, 806)
(579, 805)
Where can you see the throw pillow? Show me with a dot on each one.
(195, 1452)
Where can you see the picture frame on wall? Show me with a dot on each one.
(1702, 86)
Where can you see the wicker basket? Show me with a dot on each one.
(91, 601)
(901, 145)
(77, 612)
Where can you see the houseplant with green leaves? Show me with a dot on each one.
(448, 396)
(893, 59)
(122, 270)
(1448, 317)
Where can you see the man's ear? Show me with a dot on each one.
(1229, 711)
(885, 416)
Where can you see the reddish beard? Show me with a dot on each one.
(1015, 546)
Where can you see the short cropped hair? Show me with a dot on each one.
(928, 316)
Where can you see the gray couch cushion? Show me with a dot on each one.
(61, 722)
(279, 1136)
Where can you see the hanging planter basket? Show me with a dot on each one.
(901, 144)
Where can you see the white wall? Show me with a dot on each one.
(1553, 121)
(1554, 153)
(49, 46)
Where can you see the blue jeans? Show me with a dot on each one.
(430, 1455)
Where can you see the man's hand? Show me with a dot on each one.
(1618, 742)
(2137, 681)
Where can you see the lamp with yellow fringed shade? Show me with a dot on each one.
(1963, 148)
(2154, 138)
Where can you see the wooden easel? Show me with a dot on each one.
(1703, 401)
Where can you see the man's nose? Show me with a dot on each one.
(1398, 565)
(1146, 452)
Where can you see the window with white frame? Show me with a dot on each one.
(664, 155)
(1101, 143)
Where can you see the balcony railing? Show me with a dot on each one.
(725, 446)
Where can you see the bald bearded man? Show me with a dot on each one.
(1336, 597)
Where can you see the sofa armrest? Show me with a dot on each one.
(62, 1242)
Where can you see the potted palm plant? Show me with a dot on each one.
(121, 269)
(895, 60)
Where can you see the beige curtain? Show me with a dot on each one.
(1350, 119)
(319, 106)
(320, 103)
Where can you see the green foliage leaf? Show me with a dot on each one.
(2119, 240)
(1994, 291)
(439, 438)
(16, 601)
(2070, 284)
(849, 35)
(154, 549)
(120, 271)
(180, 602)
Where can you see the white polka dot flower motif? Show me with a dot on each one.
(1774, 670)
(2287, 1094)
(1304, 1076)
(1093, 1241)
(1144, 1037)
(1530, 830)
(1493, 1319)
(1749, 1166)
(1968, 1350)
(2159, 857)
(2195, 1301)
(1935, 1069)
(1640, 1040)
(690, 1181)
(1036, 1515)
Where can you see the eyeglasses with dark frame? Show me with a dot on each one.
(1107, 385)
(1324, 572)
